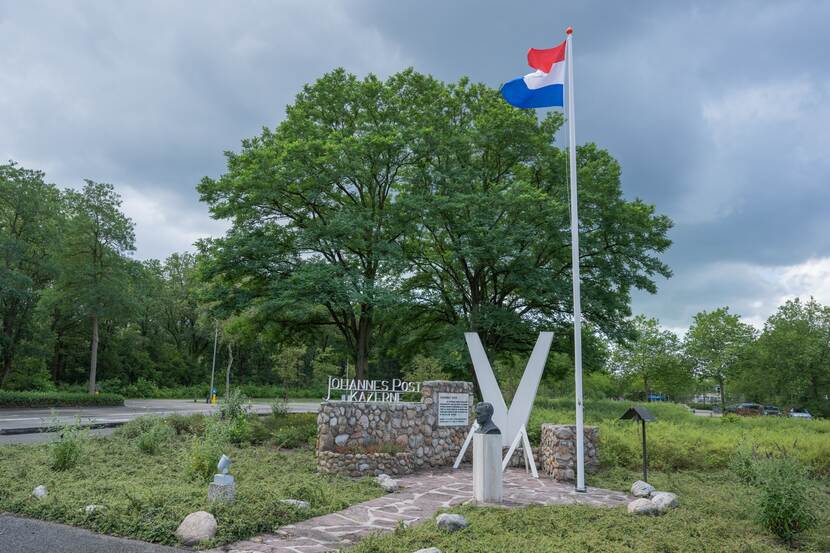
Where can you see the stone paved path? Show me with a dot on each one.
(422, 494)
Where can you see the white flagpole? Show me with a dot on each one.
(580, 436)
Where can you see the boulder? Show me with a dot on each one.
(664, 501)
(451, 522)
(40, 492)
(641, 489)
(196, 527)
(389, 485)
(297, 503)
(642, 506)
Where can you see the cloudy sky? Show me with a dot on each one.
(718, 111)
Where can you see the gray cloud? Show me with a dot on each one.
(716, 110)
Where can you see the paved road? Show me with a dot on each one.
(22, 420)
(23, 535)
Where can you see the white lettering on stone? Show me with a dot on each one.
(381, 391)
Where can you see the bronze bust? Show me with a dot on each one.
(484, 418)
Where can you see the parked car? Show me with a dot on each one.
(731, 409)
(749, 409)
(799, 413)
(771, 411)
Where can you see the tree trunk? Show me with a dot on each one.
(722, 396)
(362, 359)
(228, 372)
(93, 358)
(7, 368)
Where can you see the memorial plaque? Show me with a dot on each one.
(453, 409)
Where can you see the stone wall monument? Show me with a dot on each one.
(357, 436)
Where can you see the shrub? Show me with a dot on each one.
(66, 451)
(58, 399)
(234, 406)
(291, 437)
(239, 430)
(786, 503)
(744, 462)
(187, 424)
(160, 432)
(205, 450)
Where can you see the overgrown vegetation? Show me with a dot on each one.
(58, 399)
(717, 514)
(146, 499)
(67, 449)
(679, 440)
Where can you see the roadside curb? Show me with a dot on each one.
(40, 429)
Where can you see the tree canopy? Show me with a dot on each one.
(439, 202)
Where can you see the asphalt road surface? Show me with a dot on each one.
(23, 535)
(17, 425)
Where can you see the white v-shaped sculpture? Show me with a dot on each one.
(513, 421)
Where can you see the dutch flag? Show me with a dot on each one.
(544, 87)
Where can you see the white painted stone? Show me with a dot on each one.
(451, 522)
(487, 474)
(641, 489)
(40, 492)
(664, 501)
(89, 509)
(196, 527)
(642, 506)
(298, 503)
(429, 550)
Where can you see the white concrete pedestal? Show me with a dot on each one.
(487, 474)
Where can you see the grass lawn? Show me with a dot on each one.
(145, 496)
(716, 515)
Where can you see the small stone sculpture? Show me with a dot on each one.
(484, 418)
(224, 464)
(223, 487)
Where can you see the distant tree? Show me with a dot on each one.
(290, 364)
(31, 214)
(653, 359)
(715, 343)
(95, 270)
(790, 361)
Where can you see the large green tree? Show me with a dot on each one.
(95, 268)
(490, 240)
(438, 201)
(716, 342)
(30, 219)
(315, 223)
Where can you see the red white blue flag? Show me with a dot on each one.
(544, 87)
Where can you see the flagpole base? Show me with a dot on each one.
(583, 490)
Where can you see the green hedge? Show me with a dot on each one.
(58, 399)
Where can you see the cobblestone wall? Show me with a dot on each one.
(344, 428)
(558, 450)
(361, 464)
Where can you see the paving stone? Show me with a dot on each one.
(420, 496)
